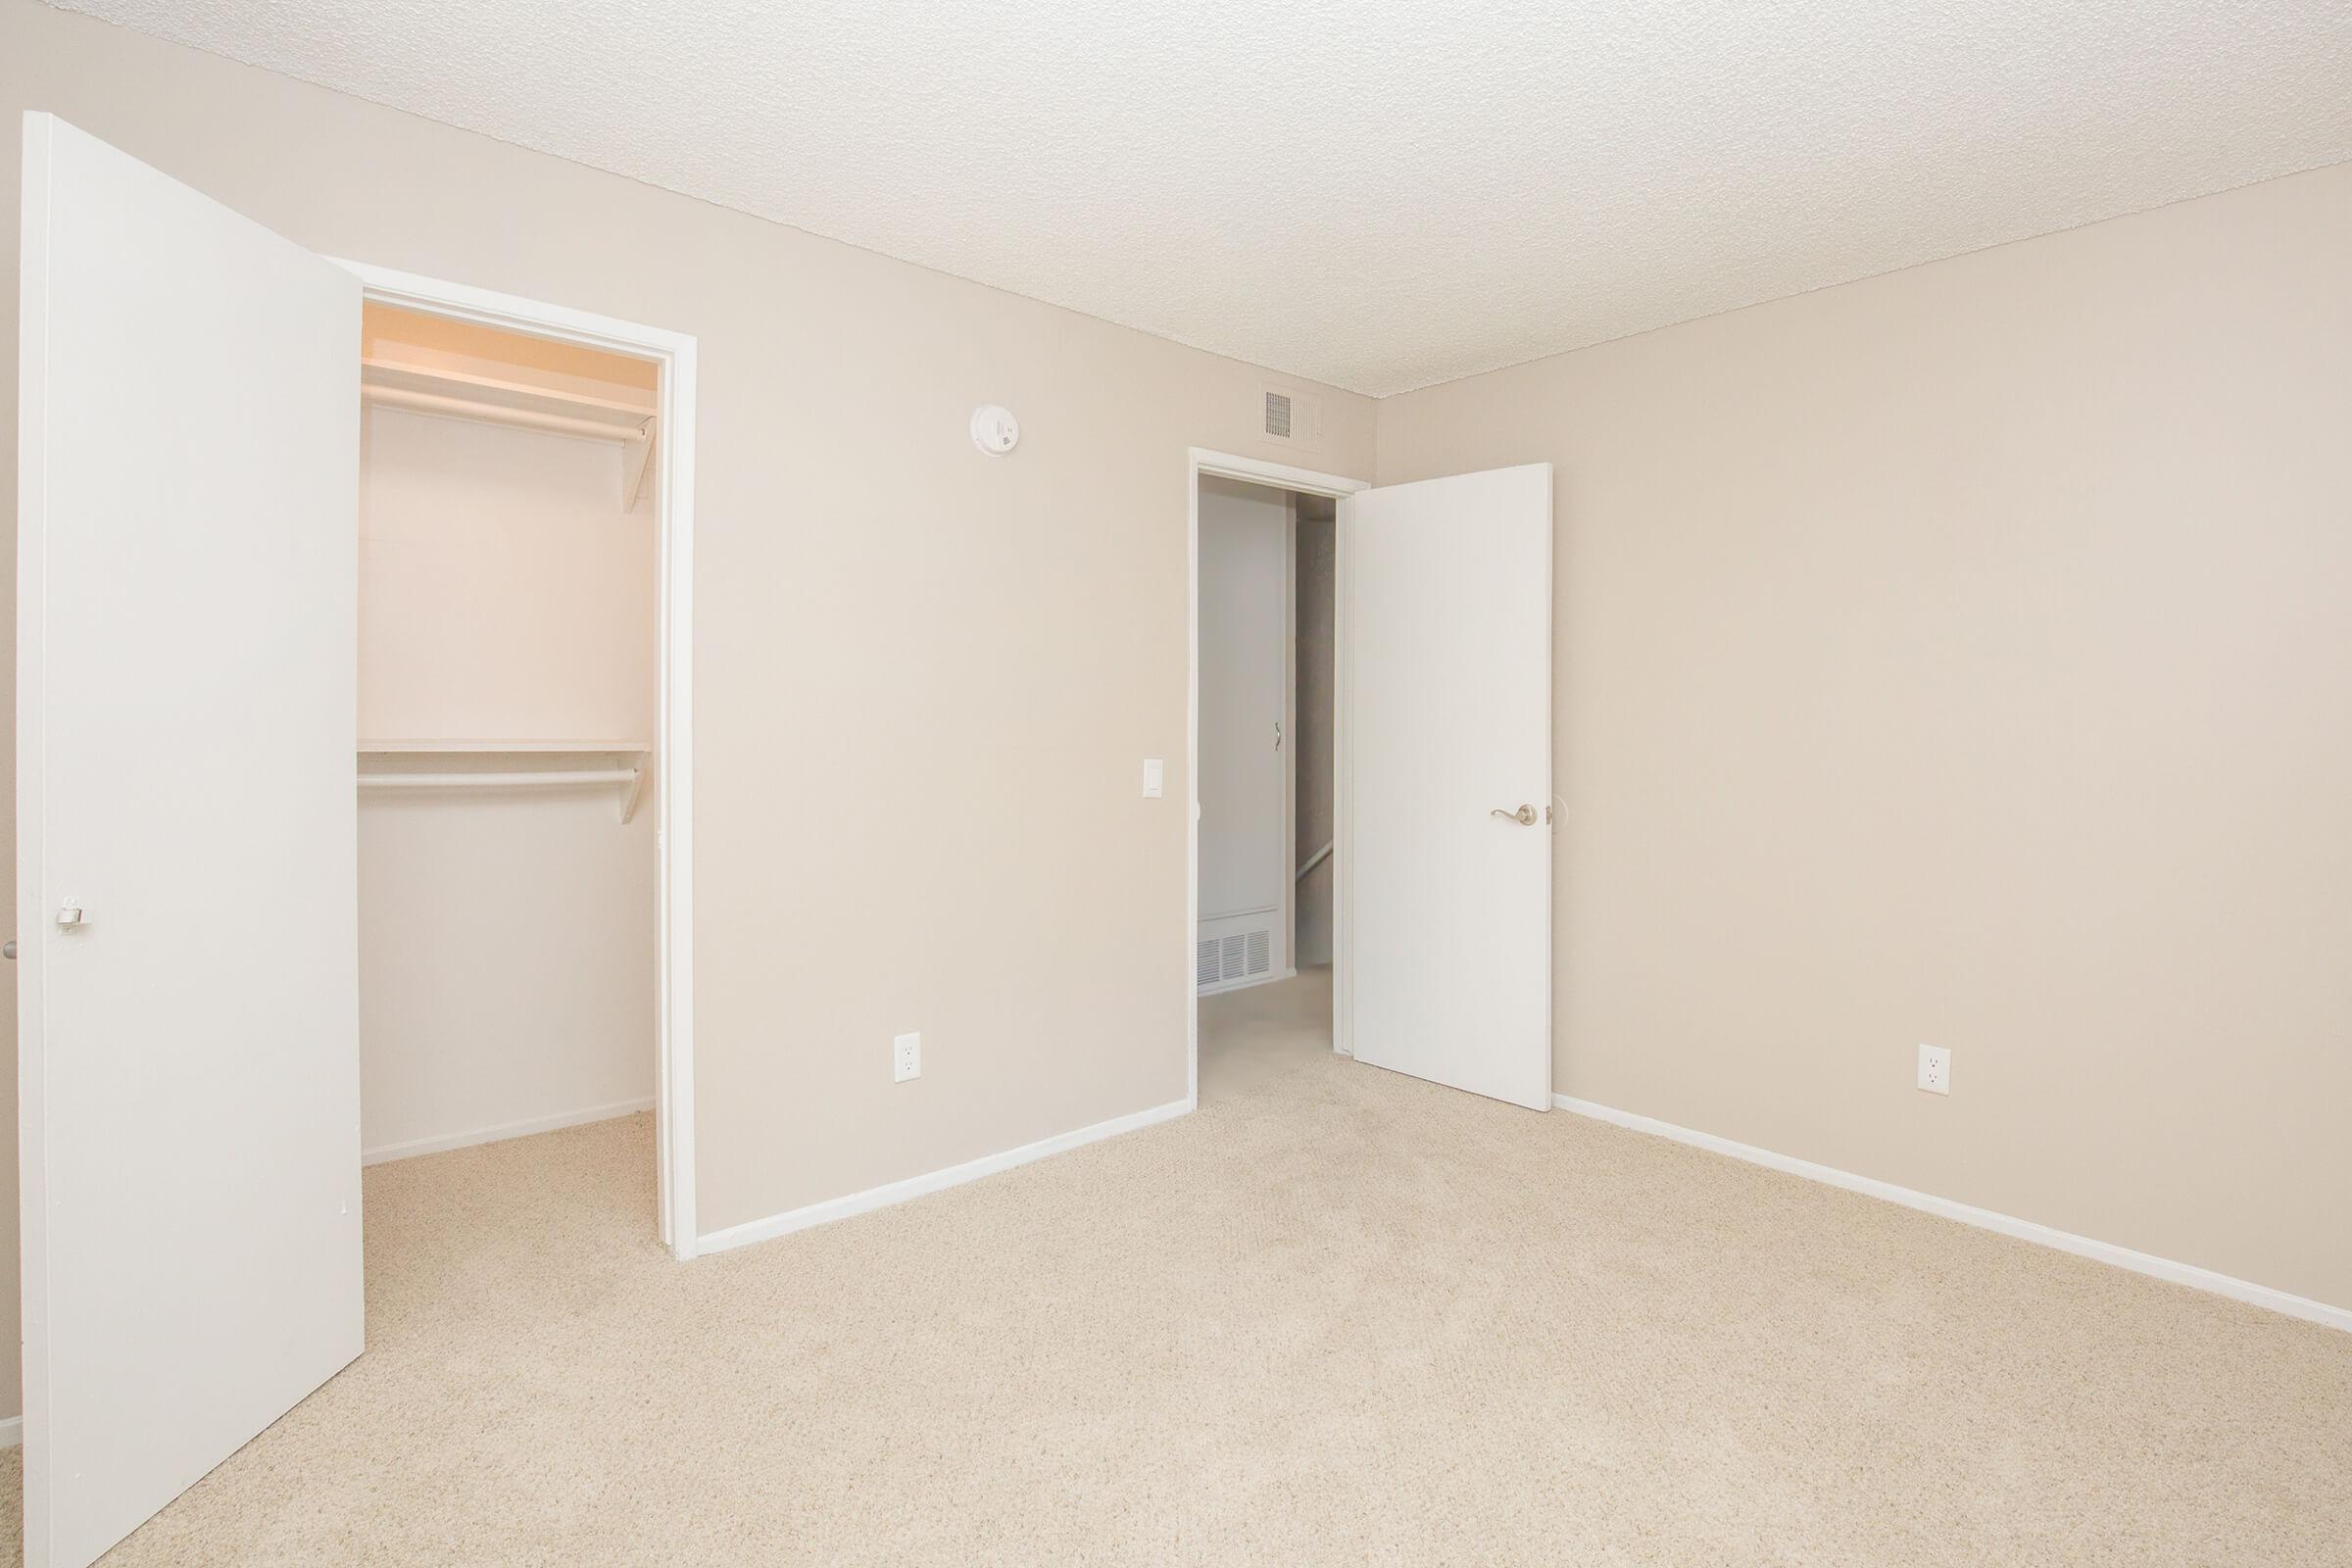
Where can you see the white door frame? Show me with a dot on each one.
(1289, 734)
(673, 740)
(1305, 481)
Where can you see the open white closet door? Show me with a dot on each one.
(1447, 858)
(186, 834)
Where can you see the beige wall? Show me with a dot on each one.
(502, 592)
(926, 678)
(507, 938)
(1965, 655)
(507, 961)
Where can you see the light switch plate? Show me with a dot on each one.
(1155, 778)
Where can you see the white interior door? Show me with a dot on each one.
(185, 685)
(1448, 727)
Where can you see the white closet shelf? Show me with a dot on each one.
(629, 779)
(459, 395)
(473, 748)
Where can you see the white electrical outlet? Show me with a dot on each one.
(1935, 1069)
(906, 1058)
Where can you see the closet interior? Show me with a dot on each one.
(507, 678)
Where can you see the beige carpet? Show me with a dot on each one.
(1336, 1316)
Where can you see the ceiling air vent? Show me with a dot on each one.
(1289, 419)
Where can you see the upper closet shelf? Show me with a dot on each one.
(463, 395)
(559, 747)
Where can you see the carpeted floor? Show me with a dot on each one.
(1335, 1316)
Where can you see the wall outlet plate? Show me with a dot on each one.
(906, 1058)
(1935, 1069)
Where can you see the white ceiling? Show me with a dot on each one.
(1379, 194)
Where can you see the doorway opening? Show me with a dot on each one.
(524, 723)
(1267, 871)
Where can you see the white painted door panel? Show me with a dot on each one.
(187, 608)
(1449, 720)
(1244, 688)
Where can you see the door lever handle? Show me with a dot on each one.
(1525, 816)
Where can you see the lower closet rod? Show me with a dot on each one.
(631, 779)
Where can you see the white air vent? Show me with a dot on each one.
(1291, 419)
(1278, 416)
(1232, 959)
(1234, 949)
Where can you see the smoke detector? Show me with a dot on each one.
(994, 430)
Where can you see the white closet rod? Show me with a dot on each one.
(400, 397)
(631, 781)
(496, 781)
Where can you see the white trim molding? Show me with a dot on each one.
(12, 1431)
(415, 1147)
(1304, 481)
(833, 1208)
(673, 484)
(2024, 1229)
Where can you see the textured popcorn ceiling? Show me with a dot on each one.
(1380, 195)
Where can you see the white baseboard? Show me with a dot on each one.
(503, 1131)
(2024, 1229)
(833, 1208)
(1224, 986)
(12, 1431)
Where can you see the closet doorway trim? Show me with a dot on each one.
(673, 741)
